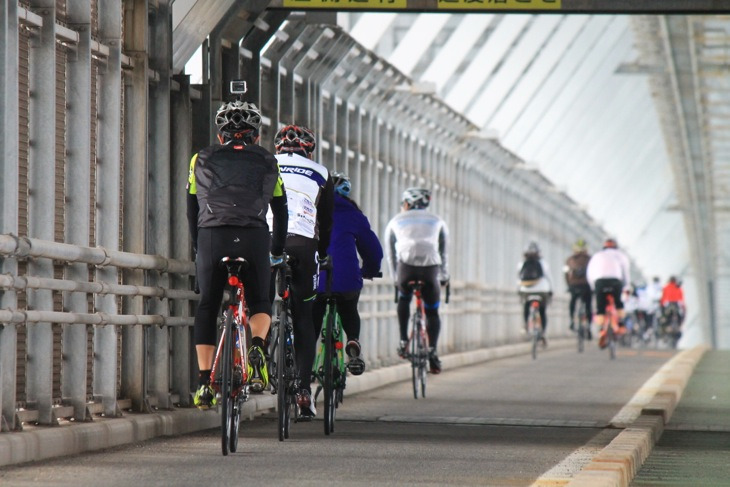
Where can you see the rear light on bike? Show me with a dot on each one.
(339, 345)
(233, 280)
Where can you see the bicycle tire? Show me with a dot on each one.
(423, 362)
(329, 385)
(413, 352)
(237, 401)
(226, 379)
(581, 326)
(535, 331)
(282, 399)
(611, 341)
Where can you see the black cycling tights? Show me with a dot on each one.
(346, 308)
(304, 288)
(215, 243)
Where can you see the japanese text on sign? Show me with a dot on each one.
(500, 4)
(343, 4)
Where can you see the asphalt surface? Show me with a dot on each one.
(504, 423)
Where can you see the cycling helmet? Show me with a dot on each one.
(238, 120)
(532, 248)
(610, 243)
(580, 246)
(417, 197)
(342, 184)
(295, 138)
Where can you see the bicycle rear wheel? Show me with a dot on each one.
(423, 362)
(534, 327)
(611, 341)
(238, 385)
(330, 401)
(283, 401)
(226, 381)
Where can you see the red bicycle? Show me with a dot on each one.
(610, 328)
(228, 375)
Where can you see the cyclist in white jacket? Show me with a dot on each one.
(415, 245)
(608, 273)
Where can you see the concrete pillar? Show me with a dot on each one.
(135, 193)
(41, 206)
(78, 199)
(8, 201)
(108, 200)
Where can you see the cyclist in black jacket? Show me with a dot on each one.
(230, 187)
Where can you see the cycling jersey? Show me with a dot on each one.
(309, 200)
(418, 238)
(608, 264)
(234, 185)
(672, 294)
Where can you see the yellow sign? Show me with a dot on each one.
(345, 4)
(499, 4)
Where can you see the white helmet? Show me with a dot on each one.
(417, 197)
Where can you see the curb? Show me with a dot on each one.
(69, 438)
(618, 463)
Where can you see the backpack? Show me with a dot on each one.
(531, 270)
(577, 266)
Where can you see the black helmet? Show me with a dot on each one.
(342, 183)
(295, 138)
(238, 120)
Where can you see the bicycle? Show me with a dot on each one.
(670, 324)
(330, 369)
(282, 355)
(417, 348)
(610, 324)
(583, 324)
(534, 322)
(228, 375)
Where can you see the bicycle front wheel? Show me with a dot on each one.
(329, 383)
(226, 381)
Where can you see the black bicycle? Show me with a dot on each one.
(282, 355)
(583, 323)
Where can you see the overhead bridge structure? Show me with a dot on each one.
(525, 126)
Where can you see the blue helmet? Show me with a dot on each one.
(342, 184)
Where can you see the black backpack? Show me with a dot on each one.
(531, 270)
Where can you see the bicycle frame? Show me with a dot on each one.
(237, 305)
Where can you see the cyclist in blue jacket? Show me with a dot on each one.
(351, 235)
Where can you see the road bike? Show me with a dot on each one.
(583, 323)
(228, 376)
(282, 355)
(417, 348)
(535, 328)
(610, 324)
(330, 369)
(670, 325)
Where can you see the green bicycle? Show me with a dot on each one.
(330, 369)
